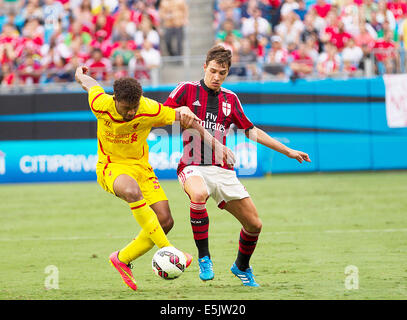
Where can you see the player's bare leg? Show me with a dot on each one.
(196, 189)
(126, 188)
(245, 211)
(163, 212)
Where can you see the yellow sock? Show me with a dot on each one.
(139, 246)
(148, 221)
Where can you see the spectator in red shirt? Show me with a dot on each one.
(103, 21)
(398, 8)
(9, 34)
(30, 71)
(302, 64)
(332, 22)
(7, 54)
(7, 76)
(386, 53)
(322, 8)
(103, 43)
(339, 37)
(100, 65)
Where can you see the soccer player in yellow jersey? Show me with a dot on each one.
(124, 121)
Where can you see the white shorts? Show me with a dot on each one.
(222, 184)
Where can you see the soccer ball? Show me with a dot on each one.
(169, 263)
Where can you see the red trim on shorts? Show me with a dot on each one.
(222, 204)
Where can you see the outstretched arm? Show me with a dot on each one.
(189, 120)
(263, 138)
(83, 79)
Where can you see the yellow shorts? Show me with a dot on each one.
(142, 173)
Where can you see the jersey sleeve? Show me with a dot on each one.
(99, 101)
(158, 115)
(177, 98)
(165, 117)
(239, 117)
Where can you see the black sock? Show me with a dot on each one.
(247, 244)
(200, 226)
(203, 248)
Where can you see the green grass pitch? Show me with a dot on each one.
(314, 226)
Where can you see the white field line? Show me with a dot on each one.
(81, 238)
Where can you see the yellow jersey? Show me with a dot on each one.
(121, 141)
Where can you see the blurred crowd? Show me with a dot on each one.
(43, 41)
(312, 38)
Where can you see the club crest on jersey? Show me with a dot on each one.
(226, 108)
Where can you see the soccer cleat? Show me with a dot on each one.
(124, 270)
(189, 259)
(247, 276)
(205, 269)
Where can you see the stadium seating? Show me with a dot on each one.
(43, 41)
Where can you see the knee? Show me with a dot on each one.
(167, 224)
(198, 196)
(254, 226)
(165, 218)
(132, 194)
(258, 225)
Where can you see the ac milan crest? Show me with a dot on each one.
(226, 108)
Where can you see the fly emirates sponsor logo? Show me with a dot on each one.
(210, 123)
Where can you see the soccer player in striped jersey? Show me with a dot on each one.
(203, 176)
(124, 121)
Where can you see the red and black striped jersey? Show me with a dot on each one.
(217, 111)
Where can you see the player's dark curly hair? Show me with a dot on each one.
(128, 90)
(221, 55)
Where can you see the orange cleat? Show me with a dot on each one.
(189, 259)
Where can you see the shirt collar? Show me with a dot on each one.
(210, 91)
